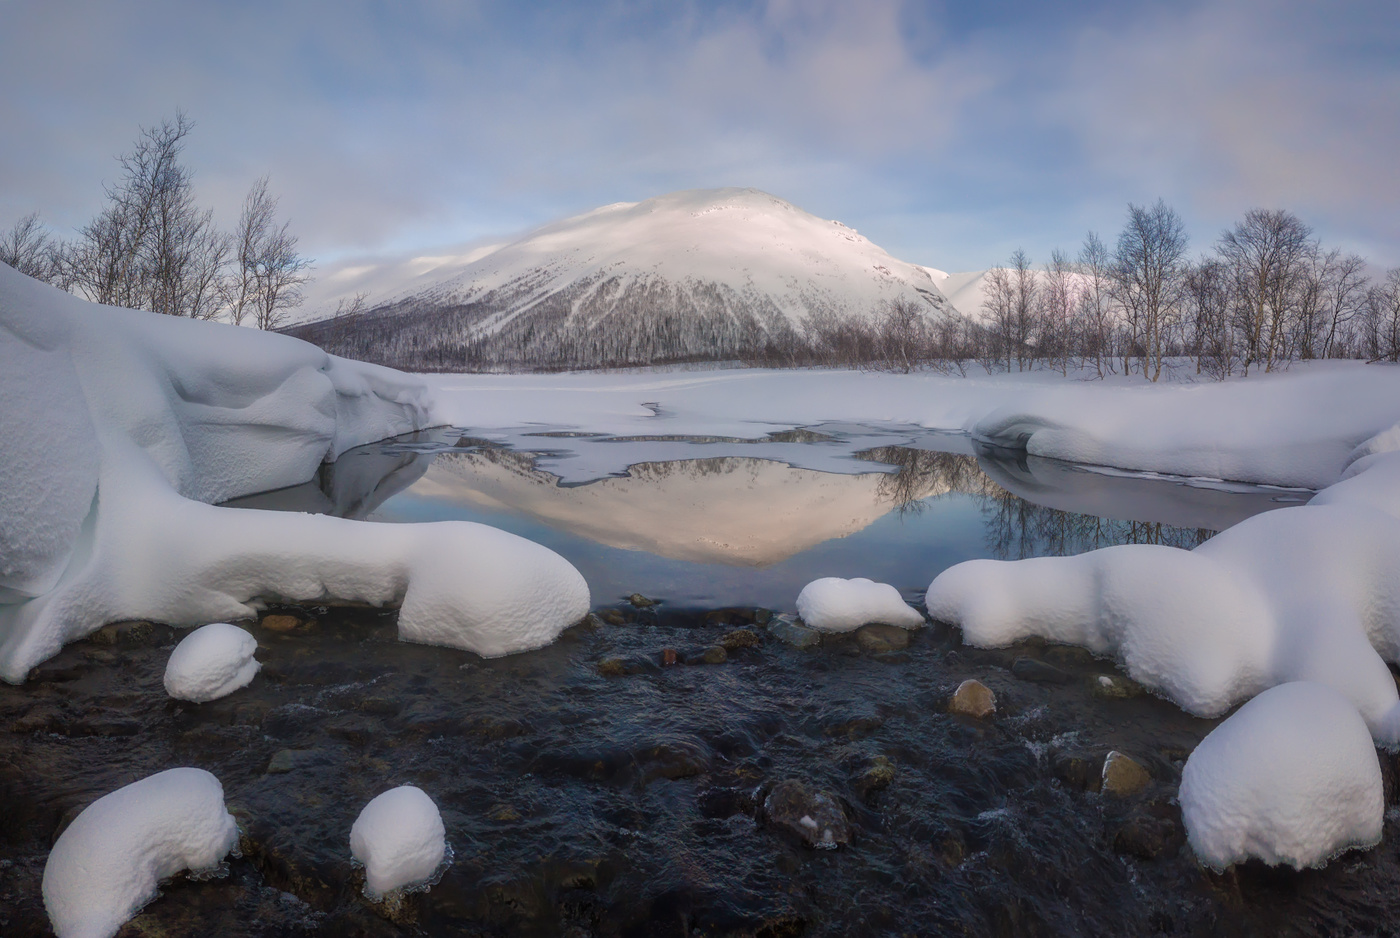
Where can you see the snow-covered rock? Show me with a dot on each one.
(400, 839)
(107, 864)
(211, 662)
(1290, 778)
(121, 426)
(834, 604)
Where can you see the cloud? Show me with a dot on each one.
(949, 134)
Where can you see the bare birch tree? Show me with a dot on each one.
(1149, 265)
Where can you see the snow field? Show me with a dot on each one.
(400, 839)
(833, 604)
(106, 865)
(1291, 778)
(211, 662)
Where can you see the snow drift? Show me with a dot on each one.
(121, 425)
(1291, 777)
(107, 864)
(1300, 594)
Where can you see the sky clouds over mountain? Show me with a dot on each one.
(948, 133)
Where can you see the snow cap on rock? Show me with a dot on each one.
(211, 662)
(1291, 777)
(833, 604)
(108, 862)
(400, 838)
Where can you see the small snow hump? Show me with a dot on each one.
(1290, 778)
(400, 839)
(211, 662)
(833, 604)
(109, 861)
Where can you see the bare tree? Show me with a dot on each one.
(1208, 300)
(1023, 309)
(1344, 286)
(28, 249)
(1268, 253)
(1149, 265)
(270, 272)
(998, 306)
(1095, 299)
(1057, 305)
(1383, 318)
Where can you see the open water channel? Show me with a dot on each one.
(634, 778)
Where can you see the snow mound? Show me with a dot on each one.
(400, 839)
(833, 604)
(211, 662)
(122, 425)
(109, 861)
(1291, 777)
(1298, 594)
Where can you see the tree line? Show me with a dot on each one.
(152, 247)
(1266, 293)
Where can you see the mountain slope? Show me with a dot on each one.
(700, 274)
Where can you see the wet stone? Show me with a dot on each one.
(613, 617)
(280, 623)
(973, 699)
(715, 654)
(794, 633)
(1115, 687)
(294, 760)
(1149, 837)
(503, 813)
(1076, 770)
(876, 778)
(1032, 669)
(1123, 776)
(673, 759)
(740, 638)
(815, 818)
(878, 637)
(617, 667)
(640, 601)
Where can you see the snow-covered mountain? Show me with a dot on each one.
(706, 273)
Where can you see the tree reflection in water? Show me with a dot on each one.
(1015, 528)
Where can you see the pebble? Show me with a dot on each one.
(1115, 687)
(784, 628)
(877, 638)
(740, 638)
(289, 760)
(815, 817)
(876, 778)
(280, 623)
(640, 601)
(974, 699)
(1123, 776)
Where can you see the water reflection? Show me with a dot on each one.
(737, 529)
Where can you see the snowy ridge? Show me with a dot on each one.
(756, 246)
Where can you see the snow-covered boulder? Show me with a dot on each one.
(122, 426)
(834, 604)
(107, 864)
(211, 662)
(400, 839)
(1290, 778)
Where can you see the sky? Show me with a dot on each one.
(948, 133)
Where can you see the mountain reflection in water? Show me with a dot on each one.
(737, 530)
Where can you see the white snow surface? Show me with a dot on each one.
(107, 864)
(211, 662)
(119, 428)
(1299, 594)
(1290, 778)
(400, 839)
(834, 604)
(757, 245)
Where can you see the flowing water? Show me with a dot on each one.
(631, 779)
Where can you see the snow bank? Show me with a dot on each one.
(1291, 777)
(1294, 429)
(108, 862)
(121, 425)
(1299, 594)
(400, 838)
(833, 604)
(211, 662)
